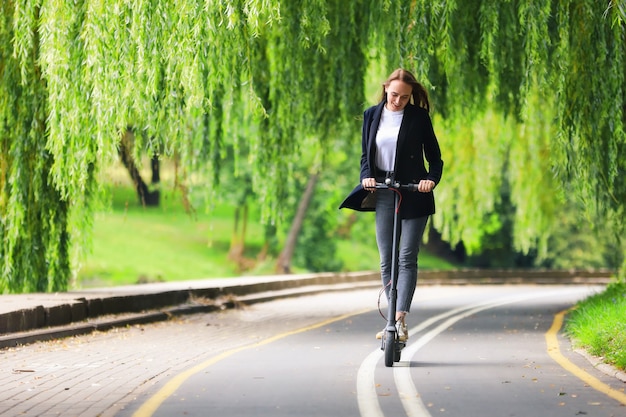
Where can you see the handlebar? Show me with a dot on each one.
(389, 184)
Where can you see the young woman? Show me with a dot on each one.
(397, 139)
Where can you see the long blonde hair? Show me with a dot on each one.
(418, 94)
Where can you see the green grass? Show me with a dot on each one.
(134, 244)
(597, 325)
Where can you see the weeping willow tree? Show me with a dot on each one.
(557, 69)
(195, 76)
(188, 76)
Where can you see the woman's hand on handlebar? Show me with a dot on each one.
(369, 184)
(425, 186)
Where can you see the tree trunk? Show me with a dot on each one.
(155, 166)
(146, 197)
(238, 239)
(283, 264)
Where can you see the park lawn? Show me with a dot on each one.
(597, 325)
(134, 244)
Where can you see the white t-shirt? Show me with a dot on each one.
(387, 139)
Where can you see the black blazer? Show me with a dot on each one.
(416, 141)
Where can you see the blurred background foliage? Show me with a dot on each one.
(246, 102)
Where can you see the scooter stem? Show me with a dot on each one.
(393, 291)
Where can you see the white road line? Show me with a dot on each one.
(411, 400)
(367, 397)
(366, 387)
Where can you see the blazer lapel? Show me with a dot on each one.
(371, 140)
(405, 127)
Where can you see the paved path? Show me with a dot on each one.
(97, 374)
(119, 371)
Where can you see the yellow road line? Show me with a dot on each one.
(148, 408)
(554, 351)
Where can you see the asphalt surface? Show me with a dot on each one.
(472, 348)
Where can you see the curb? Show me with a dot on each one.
(194, 306)
(51, 316)
(603, 367)
(102, 310)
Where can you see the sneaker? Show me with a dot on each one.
(403, 333)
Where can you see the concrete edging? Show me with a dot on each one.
(79, 307)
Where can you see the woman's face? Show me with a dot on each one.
(398, 95)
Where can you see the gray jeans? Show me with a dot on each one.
(409, 238)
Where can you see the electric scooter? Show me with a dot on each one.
(391, 343)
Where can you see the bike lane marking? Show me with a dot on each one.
(411, 400)
(149, 407)
(367, 397)
(555, 353)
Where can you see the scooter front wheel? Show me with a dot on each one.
(390, 348)
(398, 352)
